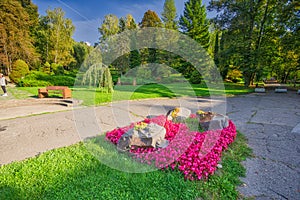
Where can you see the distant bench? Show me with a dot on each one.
(64, 90)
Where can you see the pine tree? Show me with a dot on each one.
(169, 15)
(194, 23)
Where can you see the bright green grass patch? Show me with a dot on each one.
(73, 173)
(129, 92)
(93, 96)
(18, 93)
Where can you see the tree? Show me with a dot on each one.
(112, 26)
(169, 15)
(131, 59)
(253, 33)
(109, 27)
(150, 19)
(54, 38)
(80, 52)
(15, 40)
(194, 23)
(60, 32)
(127, 23)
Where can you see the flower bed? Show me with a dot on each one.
(195, 154)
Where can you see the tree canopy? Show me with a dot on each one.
(15, 40)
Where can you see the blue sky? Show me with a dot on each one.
(87, 15)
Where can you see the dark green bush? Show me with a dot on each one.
(32, 83)
(195, 77)
(36, 78)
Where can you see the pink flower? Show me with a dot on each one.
(195, 154)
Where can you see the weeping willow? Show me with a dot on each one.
(98, 75)
(105, 82)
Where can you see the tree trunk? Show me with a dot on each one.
(247, 78)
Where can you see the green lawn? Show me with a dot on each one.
(73, 173)
(92, 96)
(126, 92)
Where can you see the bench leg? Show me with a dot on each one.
(42, 92)
(67, 93)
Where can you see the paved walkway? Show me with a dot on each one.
(271, 122)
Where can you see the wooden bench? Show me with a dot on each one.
(64, 90)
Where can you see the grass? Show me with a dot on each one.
(92, 96)
(73, 173)
(129, 92)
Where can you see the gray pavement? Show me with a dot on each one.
(271, 122)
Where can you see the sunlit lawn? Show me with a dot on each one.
(73, 173)
(93, 96)
(126, 92)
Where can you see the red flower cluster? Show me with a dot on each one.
(195, 154)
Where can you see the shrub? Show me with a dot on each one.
(57, 69)
(47, 68)
(234, 75)
(195, 77)
(36, 78)
(19, 70)
(62, 80)
(32, 83)
(144, 72)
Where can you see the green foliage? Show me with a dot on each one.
(47, 68)
(134, 59)
(109, 27)
(57, 69)
(105, 82)
(32, 83)
(15, 40)
(19, 70)
(80, 52)
(259, 37)
(169, 15)
(36, 78)
(234, 75)
(54, 38)
(144, 72)
(127, 23)
(195, 77)
(194, 23)
(150, 19)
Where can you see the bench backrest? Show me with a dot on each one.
(56, 87)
